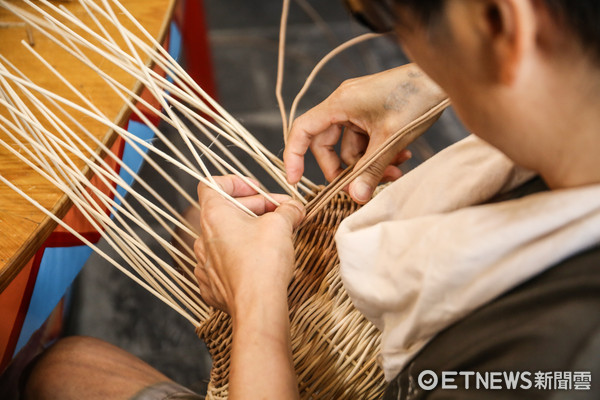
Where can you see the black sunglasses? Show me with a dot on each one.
(377, 15)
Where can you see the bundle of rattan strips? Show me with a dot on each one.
(334, 346)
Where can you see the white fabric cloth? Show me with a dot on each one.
(424, 252)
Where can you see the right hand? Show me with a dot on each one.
(368, 110)
(241, 258)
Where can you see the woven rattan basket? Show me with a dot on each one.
(333, 345)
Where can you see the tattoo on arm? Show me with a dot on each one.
(400, 96)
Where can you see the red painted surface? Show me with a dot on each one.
(75, 219)
(196, 48)
(15, 299)
(148, 97)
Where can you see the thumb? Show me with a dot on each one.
(362, 187)
(292, 211)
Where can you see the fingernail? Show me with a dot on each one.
(361, 191)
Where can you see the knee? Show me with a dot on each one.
(77, 365)
(72, 345)
(69, 352)
(63, 360)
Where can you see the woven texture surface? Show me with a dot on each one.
(333, 345)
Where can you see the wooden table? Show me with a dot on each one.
(24, 230)
(22, 226)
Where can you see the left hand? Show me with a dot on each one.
(241, 257)
(362, 114)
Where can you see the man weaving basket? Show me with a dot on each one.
(482, 261)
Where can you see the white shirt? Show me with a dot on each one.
(425, 252)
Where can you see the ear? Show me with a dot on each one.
(508, 28)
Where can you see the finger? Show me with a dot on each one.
(200, 251)
(391, 173)
(304, 130)
(235, 186)
(201, 276)
(259, 204)
(206, 289)
(362, 188)
(353, 146)
(401, 157)
(208, 296)
(292, 211)
(230, 184)
(324, 151)
(203, 281)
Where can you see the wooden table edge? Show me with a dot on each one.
(28, 250)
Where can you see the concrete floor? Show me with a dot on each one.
(243, 37)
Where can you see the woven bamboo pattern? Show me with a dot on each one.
(333, 344)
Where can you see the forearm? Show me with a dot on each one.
(261, 359)
(244, 267)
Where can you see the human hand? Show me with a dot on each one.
(367, 111)
(241, 257)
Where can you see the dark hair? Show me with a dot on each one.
(581, 17)
(424, 10)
